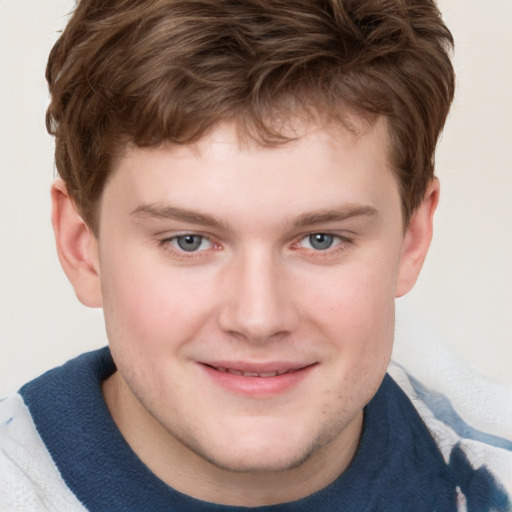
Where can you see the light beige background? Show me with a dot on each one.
(463, 301)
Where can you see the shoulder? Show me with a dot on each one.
(472, 444)
(29, 479)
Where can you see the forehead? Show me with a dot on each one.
(331, 157)
(315, 136)
(279, 131)
(232, 178)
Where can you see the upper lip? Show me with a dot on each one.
(252, 369)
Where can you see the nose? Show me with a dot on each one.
(259, 304)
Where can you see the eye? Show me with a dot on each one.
(320, 241)
(190, 243)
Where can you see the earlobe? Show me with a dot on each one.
(77, 247)
(417, 240)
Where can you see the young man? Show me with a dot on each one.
(246, 186)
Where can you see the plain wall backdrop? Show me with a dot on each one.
(463, 300)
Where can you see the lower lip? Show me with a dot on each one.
(258, 387)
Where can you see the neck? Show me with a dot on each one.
(181, 468)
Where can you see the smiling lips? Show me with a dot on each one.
(265, 374)
(255, 380)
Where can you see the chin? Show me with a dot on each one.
(267, 452)
(265, 462)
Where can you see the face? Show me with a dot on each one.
(249, 292)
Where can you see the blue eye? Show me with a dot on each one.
(189, 243)
(321, 241)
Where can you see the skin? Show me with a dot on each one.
(257, 293)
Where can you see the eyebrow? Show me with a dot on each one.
(306, 219)
(335, 215)
(173, 213)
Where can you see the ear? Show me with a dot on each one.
(417, 240)
(77, 247)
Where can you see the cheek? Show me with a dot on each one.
(355, 309)
(358, 296)
(358, 320)
(149, 305)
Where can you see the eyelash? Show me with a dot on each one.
(181, 254)
(341, 246)
(167, 244)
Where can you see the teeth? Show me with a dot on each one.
(252, 374)
(268, 374)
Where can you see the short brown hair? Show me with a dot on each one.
(150, 71)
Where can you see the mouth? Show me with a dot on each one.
(248, 373)
(257, 380)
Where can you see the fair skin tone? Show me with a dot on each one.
(248, 294)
